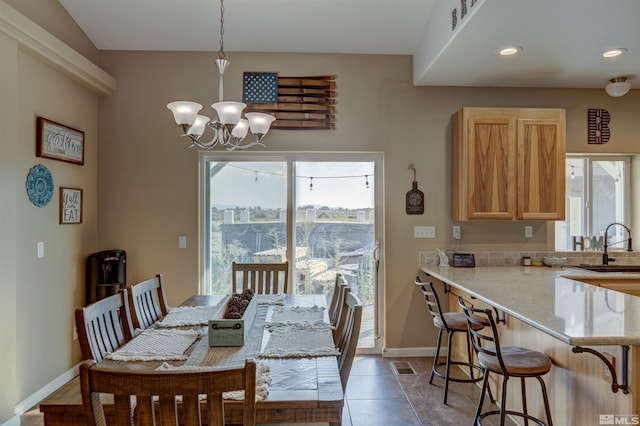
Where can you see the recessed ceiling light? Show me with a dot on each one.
(612, 53)
(509, 50)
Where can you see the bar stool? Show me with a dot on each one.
(451, 322)
(508, 361)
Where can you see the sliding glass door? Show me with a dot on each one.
(318, 211)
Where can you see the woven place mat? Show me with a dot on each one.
(271, 299)
(156, 345)
(263, 378)
(300, 341)
(190, 315)
(284, 315)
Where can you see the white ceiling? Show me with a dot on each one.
(561, 39)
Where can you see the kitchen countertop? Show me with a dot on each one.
(553, 301)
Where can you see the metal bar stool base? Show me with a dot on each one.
(507, 413)
(455, 379)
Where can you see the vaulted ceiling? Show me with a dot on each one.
(453, 42)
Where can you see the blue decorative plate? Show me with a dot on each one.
(39, 185)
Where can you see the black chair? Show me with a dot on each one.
(508, 361)
(451, 322)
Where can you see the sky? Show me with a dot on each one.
(335, 184)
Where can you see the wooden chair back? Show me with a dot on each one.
(263, 278)
(104, 326)
(336, 302)
(347, 341)
(431, 300)
(164, 386)
(148, 302)
(340, 318)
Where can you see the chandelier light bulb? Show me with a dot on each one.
(197, 128)
(184, 112)
(229, 112)
(241, 129)
(259, 122)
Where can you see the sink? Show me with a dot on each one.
(611, 268)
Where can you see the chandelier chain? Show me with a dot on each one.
(221, 52)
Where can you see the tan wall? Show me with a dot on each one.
(147, 182)
(38, 296)
(8, 233)
(51, 16)
(148, 178)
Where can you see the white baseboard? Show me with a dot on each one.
(34, 399)
(411, 352)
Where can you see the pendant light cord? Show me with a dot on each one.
(221, 52)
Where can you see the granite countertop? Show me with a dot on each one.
(554, 301)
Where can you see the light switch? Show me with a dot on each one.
(424, 232)
(40, 249)
(182, 241)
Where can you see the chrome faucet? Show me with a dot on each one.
(605, 256)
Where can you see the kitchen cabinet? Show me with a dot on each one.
(508, 164)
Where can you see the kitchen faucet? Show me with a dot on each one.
(605, 256)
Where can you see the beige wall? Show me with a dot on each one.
(144, 179)
(57, 21)
(38, 296)
(148, 178)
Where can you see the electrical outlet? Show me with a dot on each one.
(606, 374)
(528, 231)
(456, 232)
(182, 241)
(424, 232)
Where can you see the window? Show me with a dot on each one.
(597, 195)
(316, 211)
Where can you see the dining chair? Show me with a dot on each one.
(347, 340)
(263, 278)
(506, 361)
(104, 326)
(163, 387)
(148, 302)
(451, 323)
(336, 303)
(339, 322)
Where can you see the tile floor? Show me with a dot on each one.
(377, 396)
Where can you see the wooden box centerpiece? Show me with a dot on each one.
(234, 321)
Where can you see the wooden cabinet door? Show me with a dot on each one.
(508, 164)
(541, 167)
(484, 170)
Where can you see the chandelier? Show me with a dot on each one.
(228, 126)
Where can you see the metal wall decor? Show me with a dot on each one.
(598, 126)
(463, 13)
(414, 198)
(39, 185)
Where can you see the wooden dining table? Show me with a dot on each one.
(302, 389)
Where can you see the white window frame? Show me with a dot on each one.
(587, 212)
(290, 157)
